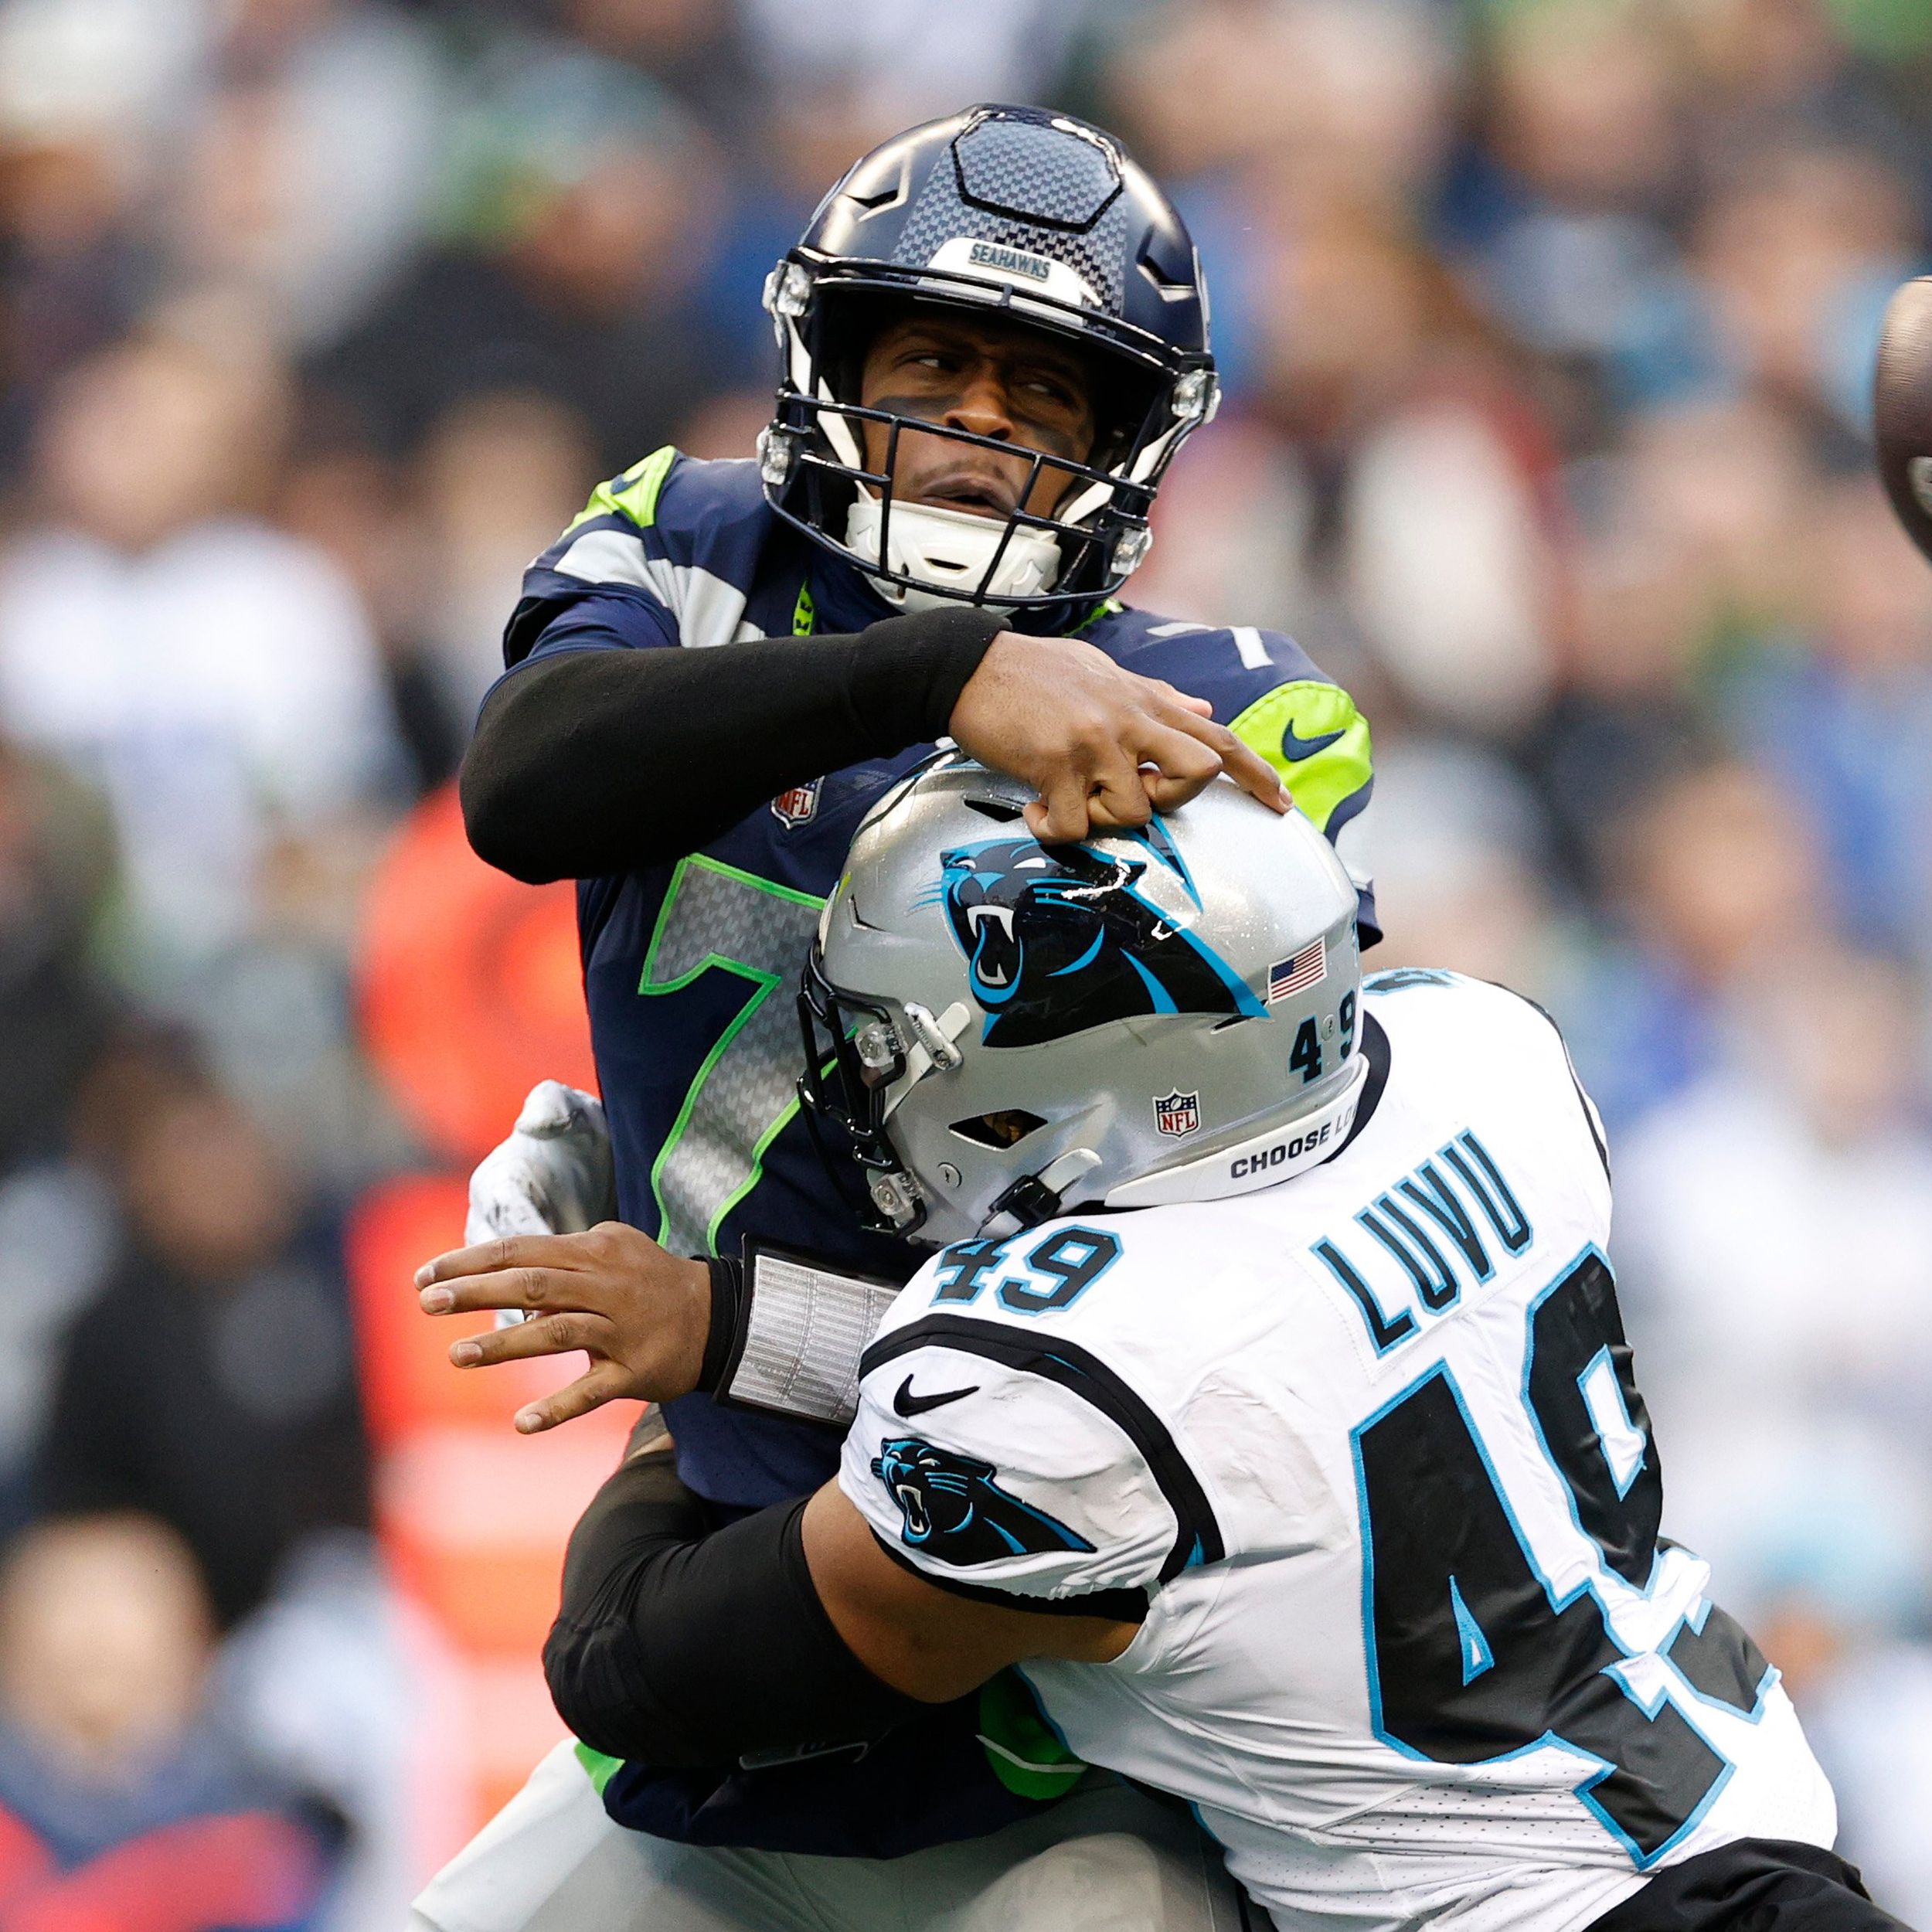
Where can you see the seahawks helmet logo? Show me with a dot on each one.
(954, 1511)
(1059, 938)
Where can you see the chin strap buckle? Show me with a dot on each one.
(1035, 1198)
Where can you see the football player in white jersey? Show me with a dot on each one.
(1266, 1400)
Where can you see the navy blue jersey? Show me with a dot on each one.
(690, 968)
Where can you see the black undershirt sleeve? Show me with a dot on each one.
(594, 762)
(680, 1648)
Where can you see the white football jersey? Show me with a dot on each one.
(1366, 1450)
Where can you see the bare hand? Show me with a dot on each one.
(642, 1316)
(1071, 723)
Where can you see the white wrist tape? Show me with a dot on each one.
(802, 1329)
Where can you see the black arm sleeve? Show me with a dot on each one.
(595, 762)
(680, 1648)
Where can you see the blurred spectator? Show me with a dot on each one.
(1449, 559)
(1419, 494)
(1774, 1224)
(1844, 706)
(499, 476)
(324, 1683)
(1868, 1711)
(587, 211)
(906, 61)
(210, 1384)
(1769, 66)
(116, 1788)
(1564, 211)
(1723, 875)
(311, 172)
(90, 90)
(1234, 533)
(1345, 100)
(215, 677)
(1716, 871)
(1454, 844)
(355, 504)
(1694, 538)
(697, 48)
(1797, 255)
(56, 867)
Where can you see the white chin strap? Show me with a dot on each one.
(948, 552)
(1279, 1155)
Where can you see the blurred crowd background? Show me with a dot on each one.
(1547, 327)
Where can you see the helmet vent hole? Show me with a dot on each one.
(1005, 1129)
(1000, 810)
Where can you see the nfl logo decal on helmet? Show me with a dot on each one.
(1179, 1114)
(799, 805)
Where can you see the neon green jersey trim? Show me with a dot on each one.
(633, 494)
(1314, 737)
(1111, 608)
(763, 982)
(599, 1768)
(805, 613)
(1026, 1755)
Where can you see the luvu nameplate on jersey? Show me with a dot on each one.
(1435, 1228)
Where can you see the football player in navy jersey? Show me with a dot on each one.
(994, 337)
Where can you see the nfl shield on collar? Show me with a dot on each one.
(1019, 212)
(998, 1031)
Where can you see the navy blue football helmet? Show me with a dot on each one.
(1025, 212)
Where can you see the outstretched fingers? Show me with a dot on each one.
(520, 1287)
(548, 1335)
(505, 1251)
(604, 1382)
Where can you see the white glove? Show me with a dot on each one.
(553, 1175)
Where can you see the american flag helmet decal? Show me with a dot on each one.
(1287, 977)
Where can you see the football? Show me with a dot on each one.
(1901, 408)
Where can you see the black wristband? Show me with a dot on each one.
(727, 1307)
(909, 671)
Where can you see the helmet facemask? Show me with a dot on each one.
(862, 1061)
(817, 475)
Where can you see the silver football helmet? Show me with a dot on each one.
(998, 1031)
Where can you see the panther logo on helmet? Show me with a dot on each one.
(1057, 938)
